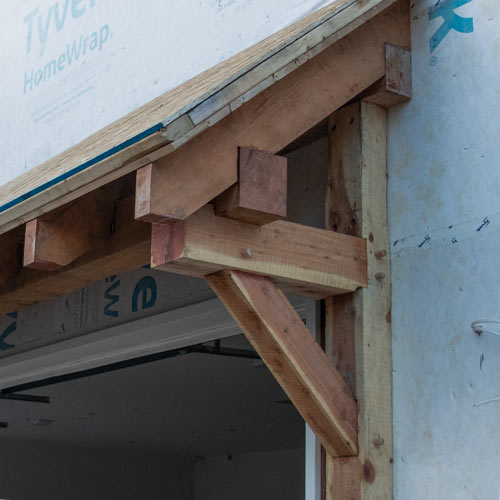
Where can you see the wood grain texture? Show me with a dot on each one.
(127, 248)
(395, 87)
(144, 192)
(302, 259)
(340, 314)
(358, 335)
(260, 195)
(272, 119)
(344, 480)
(226, 85)
(56, 239)
(292, 355)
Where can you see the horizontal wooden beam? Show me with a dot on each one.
(128, 247)
(193, 175)
(260, 195)
(302, 259)
(293, 356)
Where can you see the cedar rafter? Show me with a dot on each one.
(176, 186)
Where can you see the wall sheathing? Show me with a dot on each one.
(443, 149)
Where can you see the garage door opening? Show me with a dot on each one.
(200, 421)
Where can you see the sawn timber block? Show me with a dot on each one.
(260, 195)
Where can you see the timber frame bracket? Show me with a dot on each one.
(213, 208)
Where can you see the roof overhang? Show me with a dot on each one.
(175, 118)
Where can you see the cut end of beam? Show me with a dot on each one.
(32, 258)
(149, 194)
(395, 87)
(260, 196)
(167, 242)
(143, 193)
(58, 238)
(29, 259)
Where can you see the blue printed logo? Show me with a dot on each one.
(145, 289)
(451, 21)
(113, 298)
(41, 24)
(4, 346)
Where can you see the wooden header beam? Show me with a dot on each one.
(295, 359)
(302, 259)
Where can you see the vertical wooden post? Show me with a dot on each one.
(357, 333)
